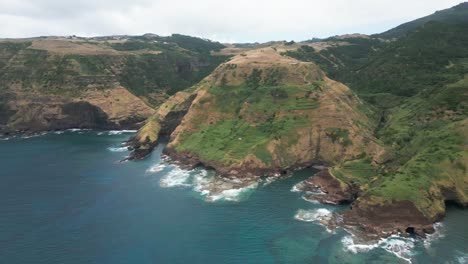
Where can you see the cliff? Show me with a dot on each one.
(107, 82)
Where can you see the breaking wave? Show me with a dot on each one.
(119, 132)
(320, 214)
(399, 246)
(308, 195)
(233, 195)
(156, 168)
(296, 188)
(461, 257)
(176, 177)
(438, 234)
(35, 135)
(78, 130)
(115, 132)
(118, 149)
(205, 183)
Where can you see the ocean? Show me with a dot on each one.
(66, 198)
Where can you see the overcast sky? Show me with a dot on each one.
(226, 21)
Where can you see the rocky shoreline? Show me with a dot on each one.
(191, 161)
(371, 222)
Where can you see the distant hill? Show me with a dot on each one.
(454, 14)
(49, 83)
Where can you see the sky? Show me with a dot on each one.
(219, 20)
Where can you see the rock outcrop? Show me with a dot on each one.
(325, 188)
(97, 109)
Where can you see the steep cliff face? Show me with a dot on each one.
(120, 78)
(419, 84)
(101, 109)
(262, 114)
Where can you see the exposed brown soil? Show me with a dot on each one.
(395, 217)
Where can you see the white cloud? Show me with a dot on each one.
(241, 20)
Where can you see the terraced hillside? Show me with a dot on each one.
(55, 83)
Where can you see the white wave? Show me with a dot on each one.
(351, 246)
(119, 132)
(399, 246)
(310, 199)
(118, 149)
(320, 214)
(219, 189)
(176, 177)
(156, 168)
(5, 138)
(296, 188)
(201, 181)
(269, 180)
(77, 129)
(462, 257)
(211, 187)
(438, 234)
(232, 195)
(34, 135)
(59, 132)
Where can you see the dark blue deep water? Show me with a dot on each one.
(64, 198)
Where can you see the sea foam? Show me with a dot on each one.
(156, 168)
(461, 257)
(399, 246)
(175, 178)
(439, 233)
(320, 214)
(119, 132)
(205, 183)
(118, 149)
(233, 195)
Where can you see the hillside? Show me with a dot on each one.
(105, 82)
(453, 15)
(261, 113)
(398, 155)
(419, 84)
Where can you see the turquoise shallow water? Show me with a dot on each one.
(66, 199)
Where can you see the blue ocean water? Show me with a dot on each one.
(65, 198)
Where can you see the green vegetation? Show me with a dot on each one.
(259, 116)
(419, 82)
(194, 44)
(253, 81)
(149, 132)
(424, 59)
(339, 135)
(455, 15)
(361, 171)
(143, 74)
(182, 61)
